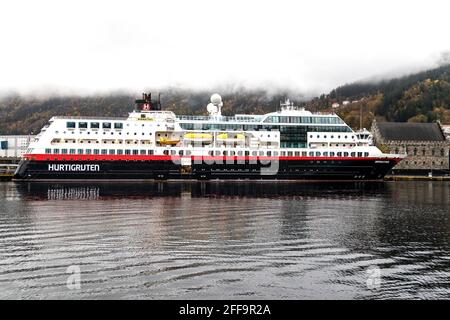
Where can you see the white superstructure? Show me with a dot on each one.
(290, 131)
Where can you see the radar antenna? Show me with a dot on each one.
(215, 106)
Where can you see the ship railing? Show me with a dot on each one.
(89, 118)
(218, 130)
(220, 118)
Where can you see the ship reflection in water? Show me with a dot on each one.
(106, 190)
(226, 240)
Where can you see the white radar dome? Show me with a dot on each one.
(216, 99)
(212, 109)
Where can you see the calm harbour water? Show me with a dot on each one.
(226, 240)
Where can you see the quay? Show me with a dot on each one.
(7, 169)
(8, 166)
(12, 147)
(416, 178)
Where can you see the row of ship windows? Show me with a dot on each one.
(99, 151)
(318, 120)
(191, 126)
(332, 136)
(104, 132)
(211, 153)
(266, 127)
(96, 125)
(283, 145)
(93, 125)
(111, 141)
(311, 136)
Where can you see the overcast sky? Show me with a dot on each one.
(92, 46)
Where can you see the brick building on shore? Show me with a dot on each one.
(424, 143)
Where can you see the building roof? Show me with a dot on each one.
(410, 131)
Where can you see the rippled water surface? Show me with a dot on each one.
(226, 240)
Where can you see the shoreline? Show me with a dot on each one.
(415, 178)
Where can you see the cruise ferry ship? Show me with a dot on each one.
(154, 144)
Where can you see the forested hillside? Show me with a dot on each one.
(420, 97)
(23, 115)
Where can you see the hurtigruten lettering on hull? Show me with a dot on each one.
(289, 144)
(74, 167)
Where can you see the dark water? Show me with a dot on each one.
(226, 240)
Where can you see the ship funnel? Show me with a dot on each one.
(147, 104)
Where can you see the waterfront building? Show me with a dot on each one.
(14, 146)
(424, 144)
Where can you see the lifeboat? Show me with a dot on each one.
(198, 137)
(167, 141)
(231, 138)
(222, 136)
